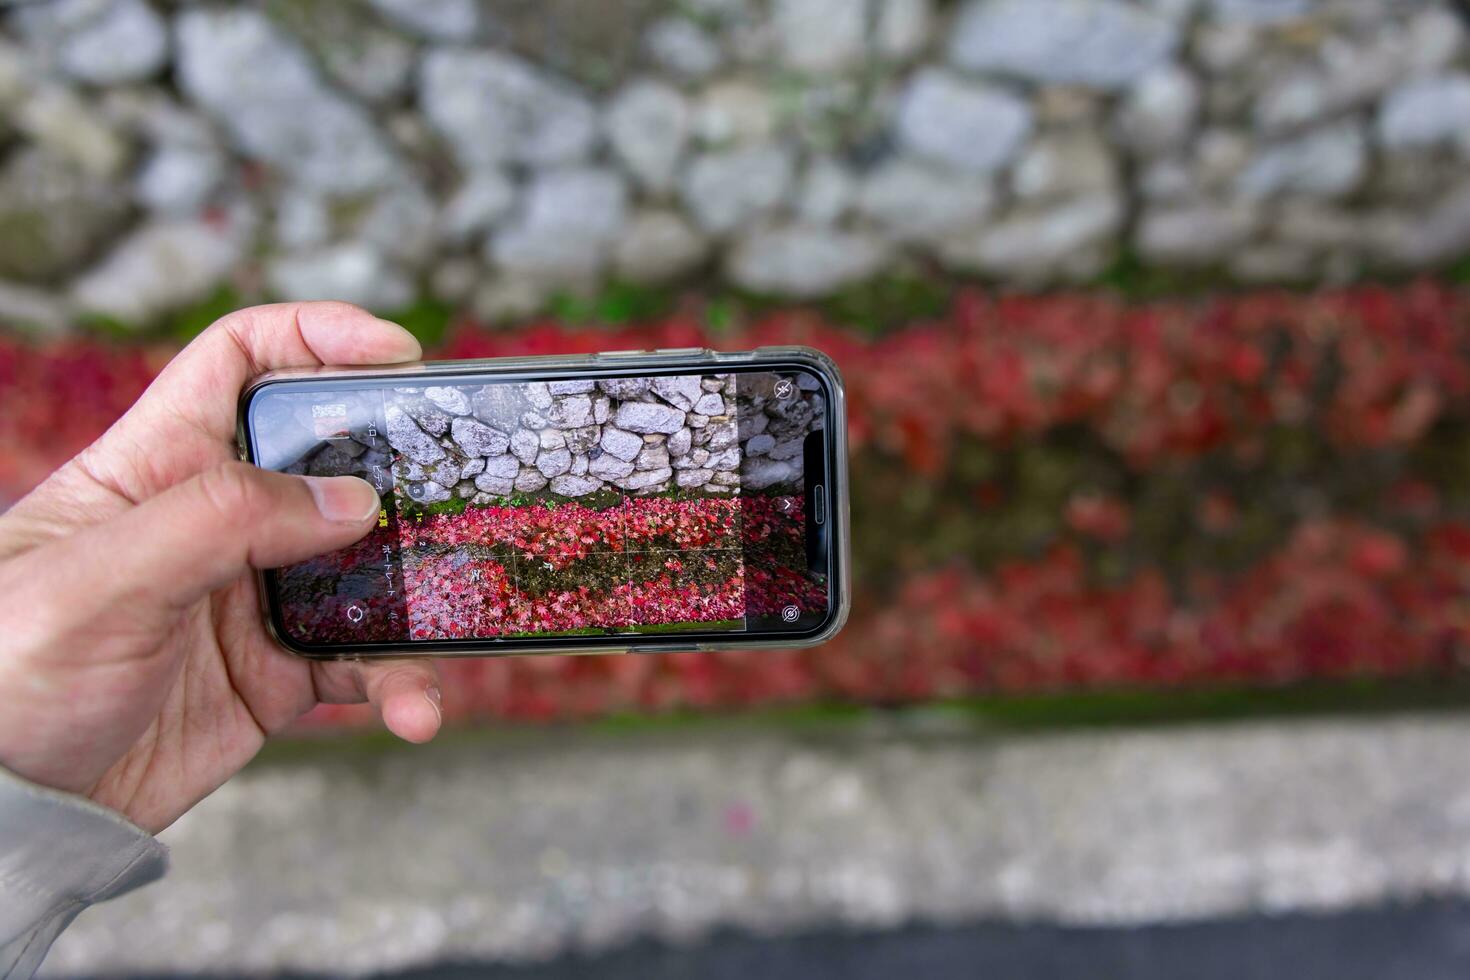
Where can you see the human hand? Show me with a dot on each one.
(134, 665)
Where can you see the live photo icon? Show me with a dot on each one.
(329, 421)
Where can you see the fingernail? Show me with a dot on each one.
(437, 700)
(343, 499)
(411, 349)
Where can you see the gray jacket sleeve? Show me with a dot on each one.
(60, 853)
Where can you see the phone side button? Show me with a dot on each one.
(613, 355)
(819, 503)
(682, 351)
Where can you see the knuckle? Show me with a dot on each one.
(233, 492)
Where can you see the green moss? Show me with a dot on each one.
(615, 304)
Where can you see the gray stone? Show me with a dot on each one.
(1275, 263)
(734, 112)
(913, 201)
(645, 417)
(451, 400)
(34, 310)
(966, 125)
(1327, 162)
(1061, 165)
(478, 439)
(903, 27)
(646, 479)
(691, 478)
(790, 449)
(801, 261)
(759, 445)
(575, 486)
(427, 493)
(398, 221)
(726, 459)
(167, 263)
(710, 404)
(406, 437)
(652, 458)
(580, 441)
(484, 197)
(723, 434)
(1261, 11)
(473, 468)
(1101, 44)
(681, 390)
(102, 42)
(552, 439)
(820, 35)
(178, 178)
(500, 405)
(364, 57)
(579, 386)
(554, 462)
(609, 467)
(538, 393)
(1194, 234)
(759, 474)
(351, 271)
(648, 126)
(501, 467)
(826, 191)
(1060, 241)
(53, 214)
(1427, 112)
(525, 444)
(570, 220)
(437, 20)
(683, 47)
(1438, 233)
(570, 411)
(657, 246)
(730, 189)
(1159, 111)
(619, 444)
(492, 108)
(624, 389)
(429, 418)
(530, 480)
(265, 91)
(332, 460)
(495, 486)
(679, 442)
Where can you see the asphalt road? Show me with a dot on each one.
(1161, 852)
(1420, 941)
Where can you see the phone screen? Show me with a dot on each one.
(569, 510)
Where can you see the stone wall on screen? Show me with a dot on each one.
(491, 154)
(715, 433)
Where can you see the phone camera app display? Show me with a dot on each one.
(570, 508)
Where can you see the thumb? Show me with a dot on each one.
(196, 537)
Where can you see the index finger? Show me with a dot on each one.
(201, 384)
(186, 418)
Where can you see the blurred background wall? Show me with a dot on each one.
(490, 154)
(1155, 318)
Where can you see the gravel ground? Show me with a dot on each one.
(529, 847)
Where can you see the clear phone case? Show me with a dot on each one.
(603, 364)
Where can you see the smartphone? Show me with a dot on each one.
(623, 501)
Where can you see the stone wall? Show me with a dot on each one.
(493, 153)
(715, 433)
